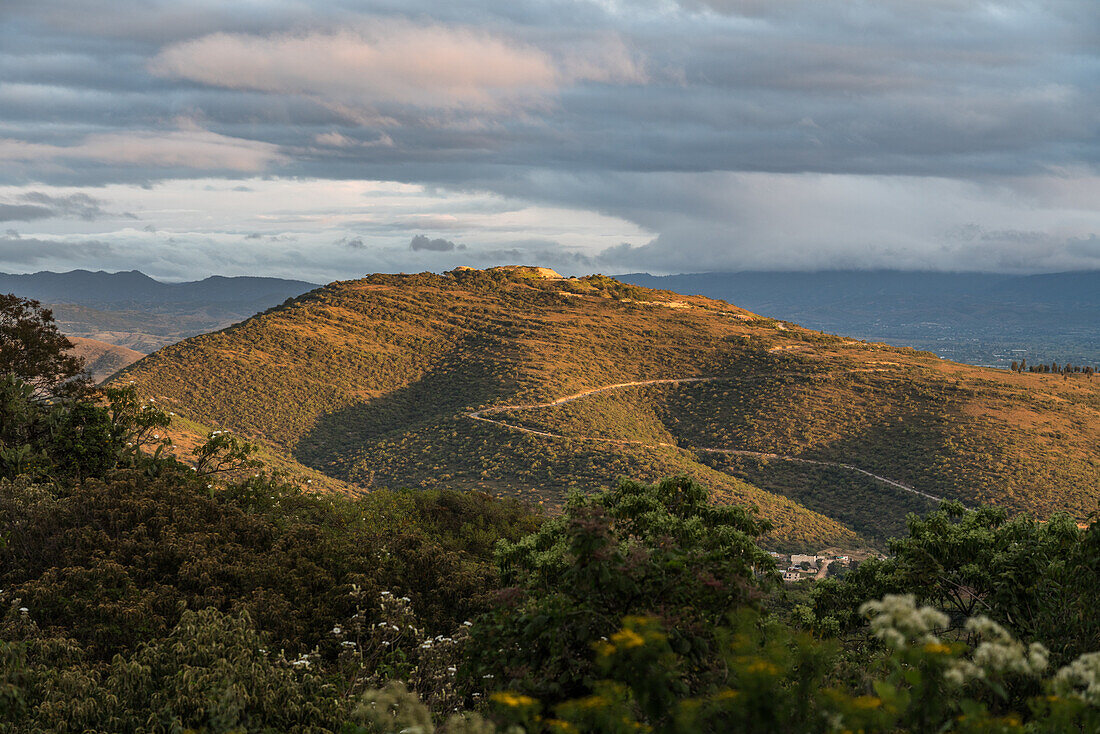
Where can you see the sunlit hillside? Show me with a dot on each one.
(404, 380)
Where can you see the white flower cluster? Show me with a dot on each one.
(432, 661)
(306, 660)
(901, 624)
(1000, 653)
(1080, 679)
(438, 639)
(897, 621)
(997, 654)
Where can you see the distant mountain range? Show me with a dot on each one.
(980, 318)
(132, 310)
(100, 288)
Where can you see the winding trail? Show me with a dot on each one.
(480, 415)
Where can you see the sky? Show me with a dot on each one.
(327, 140)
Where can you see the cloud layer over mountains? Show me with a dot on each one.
(589, 135)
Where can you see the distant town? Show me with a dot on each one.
(798, 567)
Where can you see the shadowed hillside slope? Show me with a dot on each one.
(372, 382)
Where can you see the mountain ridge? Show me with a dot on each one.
(134, 286)
(372, 382)
(129, 309)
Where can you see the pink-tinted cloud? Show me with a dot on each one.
(186, 148)
(394, 62)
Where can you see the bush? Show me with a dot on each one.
(658, 550)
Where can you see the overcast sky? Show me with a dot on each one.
(324, 140)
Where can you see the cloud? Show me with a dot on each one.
(23, 212)
(761, 221)
(191, 148)
(1088, 247)
(78, 205)
(422, 242)
(34, 205)
(392, 62)
(335, 139)
(704, 134)
(24, 251)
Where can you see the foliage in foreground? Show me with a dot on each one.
(780, 680)
(139, 595)
(1038, 579)
(661, 550)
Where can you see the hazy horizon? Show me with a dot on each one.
(821, 271)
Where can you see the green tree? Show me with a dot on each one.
(32, 349)
(1036, 578)
(658, 550)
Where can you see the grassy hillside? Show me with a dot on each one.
(102, 359)
(371, 382)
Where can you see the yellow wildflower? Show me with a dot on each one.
(937, 648)
(763, 666)
(514, 700)
(627, 639)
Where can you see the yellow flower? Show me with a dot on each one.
(558, 725)
(763, 666)
(937, 648)
(726, 695)
(627, 639)
(515, 700)
(604, 648)
(867, 702)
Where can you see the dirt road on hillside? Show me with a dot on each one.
(479, 415)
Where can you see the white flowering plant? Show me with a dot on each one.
(396, 647)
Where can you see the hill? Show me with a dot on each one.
(102, 359)
(456, 380)
(980, 318)
(132, 310)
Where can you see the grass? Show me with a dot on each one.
(367, 382)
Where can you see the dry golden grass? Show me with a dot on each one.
(368, 381)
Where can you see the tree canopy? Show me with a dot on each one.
(32, 348)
